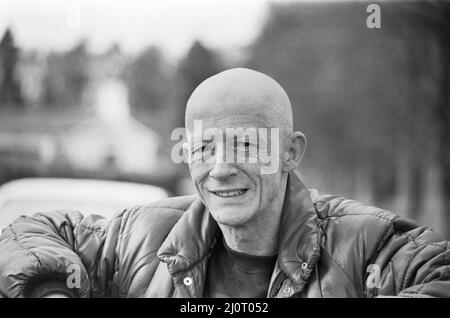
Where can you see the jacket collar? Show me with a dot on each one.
(192, 238)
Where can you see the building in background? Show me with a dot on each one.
(112, 140)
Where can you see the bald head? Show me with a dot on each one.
(242, 94)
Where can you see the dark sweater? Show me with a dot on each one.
(234, 274)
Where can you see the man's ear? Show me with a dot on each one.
(294, 151)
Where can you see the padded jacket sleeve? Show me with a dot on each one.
(59, 246)
(412, 262)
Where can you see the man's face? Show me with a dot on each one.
(230, 170)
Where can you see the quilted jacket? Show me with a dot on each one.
(329, 246)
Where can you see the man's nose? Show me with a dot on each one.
(222, 171)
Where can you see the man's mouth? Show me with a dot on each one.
(230, 193)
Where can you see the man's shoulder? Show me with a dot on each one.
(338, 207)
(355, 226)
(374, 223)
(155, 218)
(351, 226)
(159, 210)
(179, 203)
(356, 235)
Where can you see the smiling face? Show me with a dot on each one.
(229, 169)
(234, 190)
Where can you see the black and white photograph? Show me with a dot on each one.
(245, 150)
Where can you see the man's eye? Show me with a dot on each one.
(208, 148)
(245, 144)
(200, 149)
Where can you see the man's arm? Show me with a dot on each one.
(413, 262)
(63, 248)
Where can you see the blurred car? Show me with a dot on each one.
(28, 196)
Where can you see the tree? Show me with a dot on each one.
(9, 86)
(76, 75)
(66, 78)
(199, 64)
(148, 82)
(443, 108)
(329, 68)
(362, 96)
(432, 67)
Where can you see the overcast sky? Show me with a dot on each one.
(134, 24)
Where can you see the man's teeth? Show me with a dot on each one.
(226, 194)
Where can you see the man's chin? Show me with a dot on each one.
(230, 207)
(234, 222)
(231, 216)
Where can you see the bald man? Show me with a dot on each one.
(252, 230)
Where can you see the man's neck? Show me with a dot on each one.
(259, 236)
